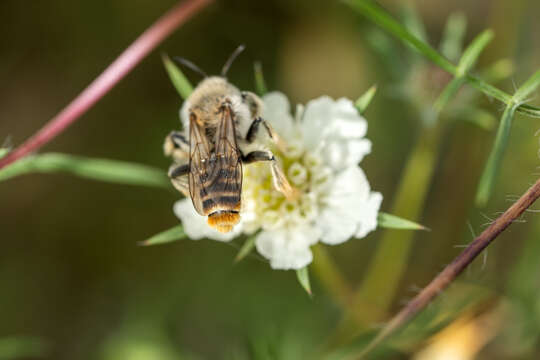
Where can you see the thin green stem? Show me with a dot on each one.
(330, 277)
(380, 17)
(114, 171)
(390, 260)
(488, 178)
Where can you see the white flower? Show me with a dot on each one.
(325, 142)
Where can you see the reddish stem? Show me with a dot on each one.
(115, 72)
(451, 271)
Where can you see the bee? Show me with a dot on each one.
(222, 130)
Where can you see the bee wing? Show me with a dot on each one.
(198, 165)
(229, 178)
(215, 179)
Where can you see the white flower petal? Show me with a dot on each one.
(325, 118)
(340, 153)
(350, 207)
(277, 111)
(287, 248)
(315, 121)
(195, 225)
(368, 220)
(347, 121)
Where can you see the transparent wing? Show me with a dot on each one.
(198, 165)
(215, 178)
(226, 178)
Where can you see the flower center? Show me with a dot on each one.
(265, 207)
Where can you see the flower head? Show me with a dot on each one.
(324, 144)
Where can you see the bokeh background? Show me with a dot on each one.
(75, 285)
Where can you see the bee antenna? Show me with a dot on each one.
(190, 65)
(231, 58)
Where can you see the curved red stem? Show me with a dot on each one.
(115, 72)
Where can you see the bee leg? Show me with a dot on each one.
(278, 177)
(255, 156)
(177, 173)
(176, 145)
(253, 131)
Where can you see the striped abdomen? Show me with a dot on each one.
(221, 197)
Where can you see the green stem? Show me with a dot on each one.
(371, 301)
(380, 17)
(388, 264)
(330, 276)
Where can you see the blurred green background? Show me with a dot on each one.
(70, 271)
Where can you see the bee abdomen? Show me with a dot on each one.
(216, 202)
(223, 220)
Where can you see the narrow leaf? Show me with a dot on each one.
(389, 221)
(478, 117)
(413, 23)
(528, 87)
(167, 236)
(363, 101)
(246, 249)
(473, 51)
(93, 168)
(180, 82)
(499, 70)
(303, 278)
(260, 84)
(447, 94)
(529, 110)
(495, 158)
(3, 152)
(467, 61)
(452, 40)
(379, 16)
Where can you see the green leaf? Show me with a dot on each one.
(467, 61)
(473, 51)
(380, 17)
(447, 94)
(3, 152)
(413, 23)
(363, 101)
(167, 236)
(389, 221)
(303, 278)
(246, 249)
(487, 180)
(22, 347)
(260, 84)
(452, 40)
(527, 88)
(499, 70)
(92, 168)
(180, 82)
(478, 117)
